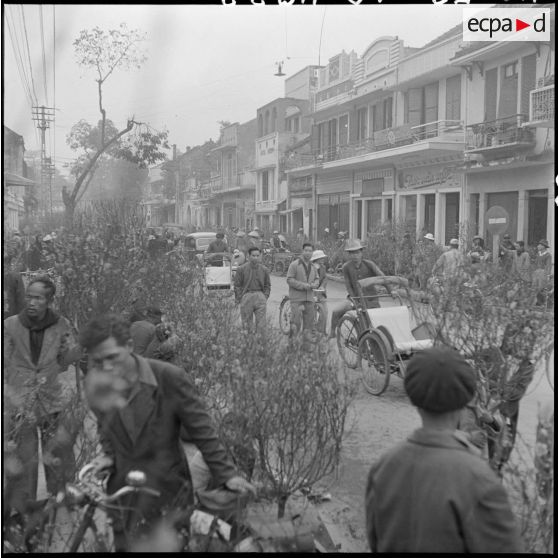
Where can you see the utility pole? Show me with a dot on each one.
(43, 116)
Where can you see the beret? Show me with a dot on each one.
(439, 380)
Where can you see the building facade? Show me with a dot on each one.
(232, 184)
(509, 152)
(281, 124)
(15, 182)
(433, 136)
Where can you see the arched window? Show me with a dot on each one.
(266, 123)
(260, 125)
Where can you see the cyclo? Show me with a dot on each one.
(383, 339)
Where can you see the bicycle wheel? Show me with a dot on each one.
(285, 315)
(347, 341)
(376, 370)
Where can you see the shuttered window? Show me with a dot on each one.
(362, 123)
(490, 91)
(344, 130)
(508, 90)
(528, 81)
(453, 98)
(414, 106)
(388, 112)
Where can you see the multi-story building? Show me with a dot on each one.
(387, 132)
(509, 154)
(281, 124)
(158, 207)
(232, 184)
(193, 169)
(433, 136)
(15, 183)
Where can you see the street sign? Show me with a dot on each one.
(497, 220)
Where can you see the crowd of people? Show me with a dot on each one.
(432, 493)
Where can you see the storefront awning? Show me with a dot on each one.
(12, 179)
(292, 210)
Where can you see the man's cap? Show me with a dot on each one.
(47, 238)
(439, 380)
(220, 234)
(326, 230)
(454, 242)
(254, 234)
(353, 245)
(429, 236)
(301, 229)
(477, 237)
(544, 243)
(507, 236)
(317, 255)
(275, 232)
(240, 234)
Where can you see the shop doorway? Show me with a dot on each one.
(537, 218)
(452, 217)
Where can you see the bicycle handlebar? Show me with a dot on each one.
(99, 496)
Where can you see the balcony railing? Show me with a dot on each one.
(541, 106)
(451, 130)
(245, 179)
(216, 184)
(498, 133)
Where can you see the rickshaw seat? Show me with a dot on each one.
(218, 276)
(397, 321)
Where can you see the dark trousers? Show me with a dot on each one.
(58, 459)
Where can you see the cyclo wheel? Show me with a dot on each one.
(285, 316)
(347, 341)
(376, 370)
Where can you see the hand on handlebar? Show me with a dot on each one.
(239, 484)
(101, 465)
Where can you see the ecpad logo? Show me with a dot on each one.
(506, 24)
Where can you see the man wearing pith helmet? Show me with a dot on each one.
(433, 492)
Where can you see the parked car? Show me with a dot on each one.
(197, 243)
(175, 228)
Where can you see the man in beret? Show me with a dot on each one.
(433, 492)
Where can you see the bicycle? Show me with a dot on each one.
(285, 311)
(88, 493)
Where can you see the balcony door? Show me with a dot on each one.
(422, 107)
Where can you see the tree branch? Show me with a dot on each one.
(81, 178)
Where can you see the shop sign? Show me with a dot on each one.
(442, 177)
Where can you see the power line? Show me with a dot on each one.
(53, 143)
(19, 60)
(43, 52)
(28, 54)
(321, 31)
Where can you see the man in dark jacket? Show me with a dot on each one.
(433, 492)
(355, 269)
(38, 348)
(13, 292)
(252, 286)
(141, 406)
(218, 246)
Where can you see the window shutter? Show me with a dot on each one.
(490, 89)
(508, 95)
(414, 106)
(430, 103)
(528, 81)
(379, 117)
(453, 98)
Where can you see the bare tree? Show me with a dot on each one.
(105, 52)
